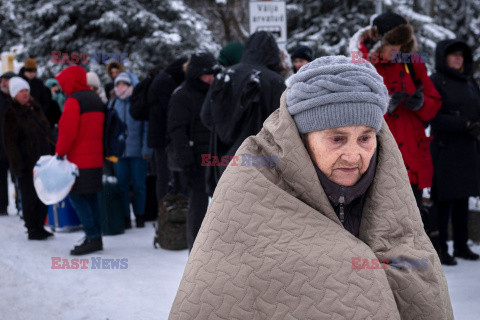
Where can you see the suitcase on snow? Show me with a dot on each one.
(112, 213)
(62, 217)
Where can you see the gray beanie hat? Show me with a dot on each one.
(124, 77)
(334, 91)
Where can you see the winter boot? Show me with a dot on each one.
(45, 232)
(465, 253)
(447, 259)
(140, 221)
(88, 246)
(39, 234)
(128, 223)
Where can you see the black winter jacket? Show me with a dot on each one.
(261, 54)
(25, 135)
(43, 97)
(5, 101)
(159, 95)
(189, 136)
(455, 154)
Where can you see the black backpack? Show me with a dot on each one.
(171, 227)
(232, 103)
(139, 109)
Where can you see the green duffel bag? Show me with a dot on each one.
(111, 207)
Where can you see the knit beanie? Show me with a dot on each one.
(51, 82)
(16, 85)
(303, 52)
(8, 75)
(231, 54)
(30, 64)
(333, 92)
(93, 80)
(124, 77)
(387, 21)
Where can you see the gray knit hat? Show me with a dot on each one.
(334, 91)
(124, 77)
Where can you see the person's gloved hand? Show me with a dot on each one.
(473, 130)
(415, 101)
(395, 100)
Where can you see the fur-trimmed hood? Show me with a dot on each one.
(114, 64)
(368, 40)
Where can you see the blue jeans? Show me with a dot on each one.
(88, 211)
(133, 170)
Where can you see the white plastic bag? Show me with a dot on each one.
(53, 178)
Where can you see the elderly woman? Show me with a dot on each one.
(455, 149)
(330, 229)
(27, 137)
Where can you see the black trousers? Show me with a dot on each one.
(418, 193)
(167, 181)
(163, 173)
(458, 210)
(3, 185)
(197, 208)
(197, 202)
(34, 211)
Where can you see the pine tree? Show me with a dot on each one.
(463, 17)
(151, 32)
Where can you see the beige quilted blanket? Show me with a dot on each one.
(271, 246)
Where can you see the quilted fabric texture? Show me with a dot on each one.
(271, 246)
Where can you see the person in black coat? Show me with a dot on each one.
(4, 103)
(26, 138)
(40, 93)
(190, 137)
(455, 145)
(159, 94)
(229, 122)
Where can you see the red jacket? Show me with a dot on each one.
(80, 129)
(407, 126)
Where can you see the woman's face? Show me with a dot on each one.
(23, 97)
(342, 154)
(121, 86)
(455, 60)
(388, 50)
(299, 62)
(114, 72)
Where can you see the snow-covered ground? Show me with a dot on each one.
(31, 289)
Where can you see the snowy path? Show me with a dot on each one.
(30, 289)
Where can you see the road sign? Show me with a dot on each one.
(269, 16)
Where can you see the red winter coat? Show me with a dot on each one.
(407, 126)
(80, 130)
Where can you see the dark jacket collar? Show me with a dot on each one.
(334, 191)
